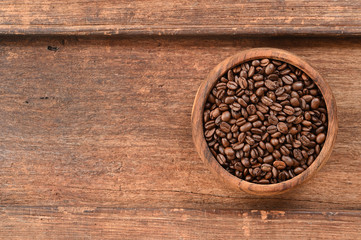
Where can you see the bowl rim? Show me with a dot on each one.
(204, 91)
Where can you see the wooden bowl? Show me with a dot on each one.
(198, 132)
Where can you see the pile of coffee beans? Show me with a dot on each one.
(265, 121)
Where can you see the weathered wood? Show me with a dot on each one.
(120, 223)
(106, 122)
(157, 17)
(198, 116)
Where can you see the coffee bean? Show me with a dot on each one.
(251, 109)
(250, 140)
(297, 154)
(209, 133)
(282, 127)
(276, 154)
(270, 69)
(273, 77)
(229, 100)
(256, 63)
(266, 101)
(245, 162)
(308, 98)
(229, 153)
(225, 127)
(243, 83)
(287, 160)
(268, 159)
(287, 79)
(264, 62)
(276, 107)
(274, 141)
(226, 116)
(289, 110)
(272, 129)
(298, 170)
(280, 165)
(272, 119)
(279, 91)
(297, 86)
(221, 159)
(270, 85)
(265, 121)
(315, 103)
(266, 167)
(320, 138)
(295, 102)
(306, 123)
(209, 125)
(258, 77)
(246, 127)
(284, 150)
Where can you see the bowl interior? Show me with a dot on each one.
(207, 86)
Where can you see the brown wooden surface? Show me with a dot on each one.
(198, 115)
(105, 123)
(181, 17)
(119, 223)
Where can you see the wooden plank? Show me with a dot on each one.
(181, 17)
(106, 122)
(120, 223)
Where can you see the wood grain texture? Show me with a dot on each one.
(106, 123)
(198, 116)
(119, 223)
(181, 17)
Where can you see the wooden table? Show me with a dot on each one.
(95, 104)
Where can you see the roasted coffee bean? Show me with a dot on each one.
(232, 85)
(245, 162)
(276, 154)
(270, 85)
(251, 109)
(274, 141)
(315, 103)
(266, 101)
(276, 107)
(250, 140)
(226, 116)
(258, 77)
(295, 102)
(221, 159)
(225, 127)
(209, 125)
(209, 133)
(272, 129)
(287, 79)
(266, 167)
(280, 165)
(289, 110)
(241, 137)
(265, 121)
(297, 154)
(287, 160)
(308, 98)
(230, 153)
(298, 170)
(284, 150)
(297, 86)
(269, 147)
(246, 127)
(229, 100)
(282, 127)
(270, 68)
(268, 159)
(320, 138)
